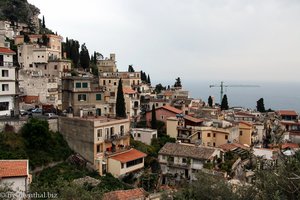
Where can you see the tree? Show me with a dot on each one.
(36, 134)
(84, 57)
(43, 22)
(120, 103)
(224, 104)
(153, 118)
(159, 88)
(178, 82)
(148, 80)
(210, 101)
(130, 68)
(260, 106)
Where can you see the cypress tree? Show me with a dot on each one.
(120, 102)
(148, 80)
(84, 57)
(153, 118)
(210, 101)
(43, 23)
(224, 104)
(260, 106)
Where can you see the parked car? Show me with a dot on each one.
(51, 116)
(23, 112)
(37, 110)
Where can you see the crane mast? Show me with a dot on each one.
(222, 86)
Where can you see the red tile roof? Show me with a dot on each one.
(193, 119)
(290, 145)
(128, 91)
(286, 112)
(232, 146)
(13, 168)
(172, 109)
(130, 155)
(4, 50)
(134, 194)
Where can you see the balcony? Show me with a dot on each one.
(182, 128)
(178, 165)
(116, 137)
(6, 64)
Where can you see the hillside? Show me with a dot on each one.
(17, 11)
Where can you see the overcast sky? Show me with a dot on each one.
(241, 40)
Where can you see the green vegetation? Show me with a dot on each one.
(158, 88)
(84, 57)
(224, 104)
(18, 11)
(260, 106)
(178, 82)
(130, 68)
(210, 101)
(71, 47)
(36, 143)
(153, 118)
(120, 102)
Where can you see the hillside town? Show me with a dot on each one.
(151, 138)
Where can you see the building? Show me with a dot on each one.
(245, 131)
(83, 95)
(287, 115)
(163, 113)
(184, 160)
(132, 103)
(103, 142)
(8, 83)
(144, 135)
(15, 172)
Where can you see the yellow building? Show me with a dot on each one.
(245, 131)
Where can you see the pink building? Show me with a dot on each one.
(163, 113)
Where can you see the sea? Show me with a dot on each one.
(276, 95)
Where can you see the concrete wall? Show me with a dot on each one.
(79, 134)
(146, 135)
(172, 123)
(19, 185)
(245, 134)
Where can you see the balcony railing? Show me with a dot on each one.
(116, 137)
(178, 165)
(6, 64)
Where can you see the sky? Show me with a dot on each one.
(219, 40)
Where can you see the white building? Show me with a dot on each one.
(144, 135)
(8, 84)
(15, 173)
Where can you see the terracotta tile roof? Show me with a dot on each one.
(290, 145)
(30, 99)
(4, 50)
(128, 91)
(130, 155)
(286, 112)
(172, 109)
(189, 151)
(290, 123)
(193, 119)
(13, 168)
(233, 146)
(246, 123)
(134, 194)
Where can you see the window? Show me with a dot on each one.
(98, 97)
(84, 85)
(104, 82)
(99, 148)
(82, 97)
(45, 66)
(55, 66)
(30, 65)
(139, 135)
(154, 136)
(134, 162)
(4, 87)
(122, 130)
(208, 134)
(164, 157)
(214, 144)
(122, 165)
(4, 73)
(184, 160)
(162, 117)
(156, 104)
(4, 106)
(115, 83)
(20, 54)
(241, 133)
(226, 137)
(214, 135)
(109, 81)
(99, 133)
(171, 159)
(78, 85)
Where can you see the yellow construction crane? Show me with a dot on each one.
(222, 86)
